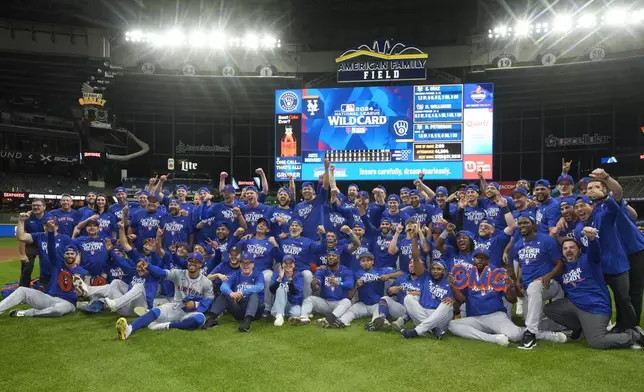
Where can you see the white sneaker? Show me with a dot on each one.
(519, 308)
(636, 347)
(610, 326)
(80, 286)
(110, 304)
(557, 337)
(279, 320)
(399, 324)
(502, 340)
(158, 326)
(17, 313)
(305, 321)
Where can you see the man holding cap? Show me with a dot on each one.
(548, 213)
(310, 211)
(433, 310)
(402, 246)
(242, 294)
(333, 282)
(287, 287)
(370, 286)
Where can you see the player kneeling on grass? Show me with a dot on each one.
(333, 282)
(434, 309)
(405, 285)
(242, 294)
(487, 318)
(136, 289)
(61, 298)
(370, 286)
(193, 295)
(287, 286)
(587, 306)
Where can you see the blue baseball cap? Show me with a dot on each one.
(223, 223)
(494, 184)
(91, 193)
(252, 189)
(288, 258)
(385, 219)
(522, 191)
(332, 253)
(174, 201)
(367, 254)
(404, 189)
(585, 180)
(71, 247)
(473, 187)
(481, 252)
(364, 194)
(527, 215)
(410, 220)
(440, 262)
(284, 190)
(358, 224)
(245, 256)
(195, 256)
(567, 200)
(584, 199)
(166, 192)
(565, 177)
(393, 197)
(205, 189)
(235, 249)
(383, 188)
(294, 221)
(355, 186)
(181, 186)
(120, 189)
(307, 184)
(489, 222)
(228, 189)
(441, 189)
(413, 192)
(92, 222)
(542, 182)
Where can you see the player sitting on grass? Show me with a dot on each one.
(288, 291)
(61, 298)
(242, 294)
(193, 295)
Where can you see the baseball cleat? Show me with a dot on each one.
(123, 330)
(305, 321)
(399, 324)
(529, 341)
(438, 333)
(379, 322)
(266, 313)
(80, 286)
(331, 318)
(17, 313)
(557, 337)
(293, 320)
(323, 323)
(408, 333)
(635, 347)
(279, 320)
(503, 341)
(338, 324)
(153, 326)
(140, 310)
(110, 304)
(369, 327)
(244, 325)
(93, 307)
(576, 334)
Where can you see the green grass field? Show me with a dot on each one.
(80, 352)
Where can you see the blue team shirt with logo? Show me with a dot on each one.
(343, 275)
(373, 288)
(311, 213)
(40, 240)
(298, 282)
(252, 215)
(433, 291)
(66, 220)
(176, 229)
(145, 225)
(537, 257)
(408, 284)
(261, 250)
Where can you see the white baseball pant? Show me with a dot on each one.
(268, 296)
(126, 300)
(486, 328)
(307, 291)
(173, 312)
(428, 319)
(535, 295)
(43, 305)
(324, 307)
(396, 309)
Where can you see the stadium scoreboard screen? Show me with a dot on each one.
(385, 133)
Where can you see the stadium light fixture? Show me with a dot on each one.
(563, 23)
(251, 41)
(587, 21)
(215, 39)
(197, 39)
(615, 17)
(637, 17)
(174, 37)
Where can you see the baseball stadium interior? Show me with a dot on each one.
(135, 99)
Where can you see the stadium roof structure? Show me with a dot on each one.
(216, 96)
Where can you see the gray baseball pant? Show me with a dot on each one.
(43, 305)
(126, 300)
(535, 295)
(323, 306)
(356, 311)
(268, 296)
(486, 327)
(566, 313)
(396, 309)
(307, 291)
(428, 319)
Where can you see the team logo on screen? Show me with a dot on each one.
(312, 106)
(401, 127)
(479, 94)
(288, 101)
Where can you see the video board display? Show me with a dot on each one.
(385, 133)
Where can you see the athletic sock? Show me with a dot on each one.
(189, 323)
(146, 319)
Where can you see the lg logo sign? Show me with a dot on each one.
(187, 166)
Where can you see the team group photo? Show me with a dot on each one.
(340, 196)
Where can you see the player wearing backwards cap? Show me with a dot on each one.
(402, 246)
(242, 294)
(548, 213)
(40, 240)
(333, 283)
(137, 289)
(539, 258)
(302, 249)
(253, 210)
(380, 238)
(66, 217)
(93, 254)
(600, 210)
(370, 286)
(88, 210)
(121, 201)
(287, 287)
(486, 318)
(262, 249)
(309, 211)
(404, 285)
(280, 215)
(176, 227)
(61, 297)
(433, 310)
(145, 222)
(587, 306)
(193, 295)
